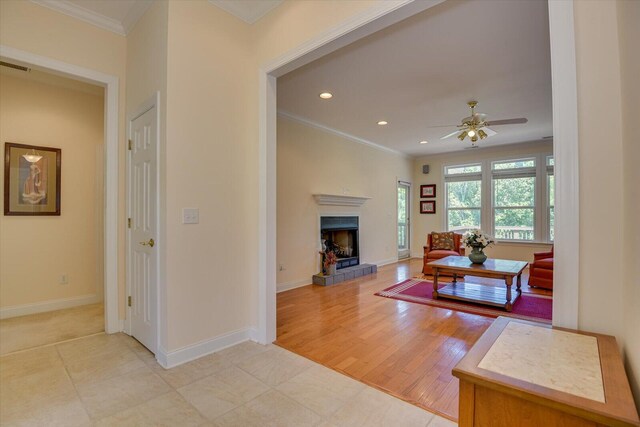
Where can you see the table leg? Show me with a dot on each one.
(508, 281)
(519, 283)
(455, 279)
(435, 283)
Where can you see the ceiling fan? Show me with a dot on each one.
(476, 125)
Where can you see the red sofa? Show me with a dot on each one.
(541, 270)
(434, 254)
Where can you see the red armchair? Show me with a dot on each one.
(434, 254)
(541, 270)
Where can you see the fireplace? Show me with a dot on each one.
(340, 234)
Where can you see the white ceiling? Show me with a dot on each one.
(422, 71)
(247, 10)
(120, 16)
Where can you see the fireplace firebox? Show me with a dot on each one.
(340, 234)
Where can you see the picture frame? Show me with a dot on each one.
(427, 191)
(32, 176)
(427, 206)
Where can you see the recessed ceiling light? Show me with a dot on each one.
(424, 142)
(326, 95)
(382, 123)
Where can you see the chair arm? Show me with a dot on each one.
(461, 250)
(427, 249)
(542, 255)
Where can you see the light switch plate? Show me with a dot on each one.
(190, 215)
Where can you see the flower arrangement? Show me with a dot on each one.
(329, 258)
(477, 239)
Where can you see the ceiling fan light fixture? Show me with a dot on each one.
(482, 134)
(462, 136)
(474, 138)
(471, 133)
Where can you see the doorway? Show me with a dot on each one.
(110, 84)
(404, 227)
(52, 281)
(564, 129)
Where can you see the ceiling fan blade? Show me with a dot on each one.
(517, 121)
(450, 135)
(489, 132)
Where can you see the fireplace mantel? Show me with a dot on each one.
(339, 200)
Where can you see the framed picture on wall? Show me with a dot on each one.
(427, 206)
(427, 191)
(31, 180)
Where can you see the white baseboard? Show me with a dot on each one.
(281, 287)
(44, 306)
(384, 262)
(171, 359)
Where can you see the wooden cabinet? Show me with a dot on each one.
(523, 373)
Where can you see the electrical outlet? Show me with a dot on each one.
(64, 279)
(282, 267)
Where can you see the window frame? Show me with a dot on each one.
(549, 171)
(541, 197)
(513, 173)
(462, 177)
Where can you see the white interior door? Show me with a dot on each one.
(143, 250)
(403, 219)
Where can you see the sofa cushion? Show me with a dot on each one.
(546, 263)
(437, 254)
(442, 241)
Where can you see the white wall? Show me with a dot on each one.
(423, 224)
(607, 99)
(36, 250)
(210, 266)
(629, 35)
(313, 161)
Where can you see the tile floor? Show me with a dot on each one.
(111, 380)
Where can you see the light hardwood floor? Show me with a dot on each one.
(404, 349)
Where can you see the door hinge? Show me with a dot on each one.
(130, 144)
(129, 300)
(129, 222)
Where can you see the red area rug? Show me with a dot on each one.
(527, 307)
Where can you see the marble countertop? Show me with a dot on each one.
(558, 360)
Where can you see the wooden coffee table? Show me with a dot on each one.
(484, 294)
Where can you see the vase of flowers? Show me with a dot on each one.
(329, 260)
(477, 241)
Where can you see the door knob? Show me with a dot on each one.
(149, 243)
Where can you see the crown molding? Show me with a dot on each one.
(345, 135)
(86, 15)
(97, 19)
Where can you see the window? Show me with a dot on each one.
(513, 199)
(463, 186)
(551, 196)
